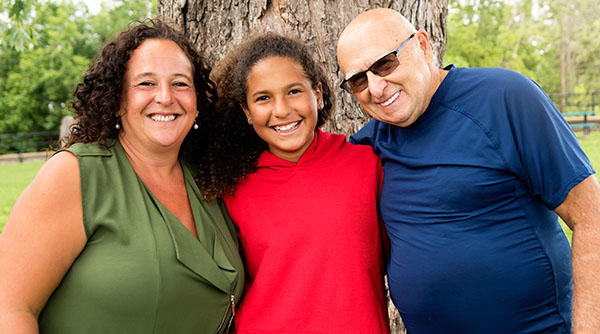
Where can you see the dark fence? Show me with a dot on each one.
(28, 142)
(575, 102)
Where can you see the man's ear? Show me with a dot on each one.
(425, 45)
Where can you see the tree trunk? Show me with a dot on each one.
(217, 26)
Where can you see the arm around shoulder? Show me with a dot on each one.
(44, 234)
(581, 211)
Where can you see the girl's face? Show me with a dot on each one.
(282, 106)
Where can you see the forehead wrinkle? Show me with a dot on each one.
(144, 74)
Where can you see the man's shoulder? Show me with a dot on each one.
(473, 88)
(492, 78)
(490, 74)
(368, 133)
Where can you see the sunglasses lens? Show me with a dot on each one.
(382, 67)
(385, 65)
(358, 82)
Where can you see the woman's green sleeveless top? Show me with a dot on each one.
(141, 270)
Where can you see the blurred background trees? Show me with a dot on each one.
(555, 42)
(45, 47)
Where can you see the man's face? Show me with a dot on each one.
(401, 96)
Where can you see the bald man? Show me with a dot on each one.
(477, 165)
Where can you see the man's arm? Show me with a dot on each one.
(581, 211)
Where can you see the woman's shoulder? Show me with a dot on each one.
(61, 163)
(92, 149)
(56, 185)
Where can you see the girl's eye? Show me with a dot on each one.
(295, 91)
(262, 98)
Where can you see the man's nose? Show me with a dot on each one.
(376, 84)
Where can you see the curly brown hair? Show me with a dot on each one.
(237, 146)
(97, 99)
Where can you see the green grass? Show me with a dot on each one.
(591, 146)
(14, 179)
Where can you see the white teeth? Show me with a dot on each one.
(163, 118)
(285, 127)
(391, 99)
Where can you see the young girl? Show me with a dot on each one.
(304, 200)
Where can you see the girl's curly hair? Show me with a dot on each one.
(97, 99)
(237, 146)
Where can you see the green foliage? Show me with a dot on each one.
(490, 33)
(39, 72)
(530, 37)
(18, 33)
(110, 21)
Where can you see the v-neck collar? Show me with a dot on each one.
(210, 257)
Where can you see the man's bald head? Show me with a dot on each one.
(381, 27)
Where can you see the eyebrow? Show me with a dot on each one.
(260, 92)
(151, 74)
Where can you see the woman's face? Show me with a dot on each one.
(158, 104)
(282, 106)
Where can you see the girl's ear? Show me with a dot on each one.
(247, 112)
(319, 95)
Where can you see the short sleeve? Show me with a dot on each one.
(548, 156)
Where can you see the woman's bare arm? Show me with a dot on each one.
(42, 237)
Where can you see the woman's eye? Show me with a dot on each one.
(146, 83)
(180, 84)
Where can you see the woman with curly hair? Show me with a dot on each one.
(112, 236)
(304, 200)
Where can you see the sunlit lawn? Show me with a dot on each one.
(15, 177)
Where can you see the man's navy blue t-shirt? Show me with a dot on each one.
(467, 199)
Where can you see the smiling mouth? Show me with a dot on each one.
(390, 100)
(286, 127)
(163, 118)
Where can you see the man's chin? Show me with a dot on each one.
(397, 118)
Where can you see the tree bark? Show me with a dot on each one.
(217, 26)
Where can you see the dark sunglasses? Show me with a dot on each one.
(382, 67)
